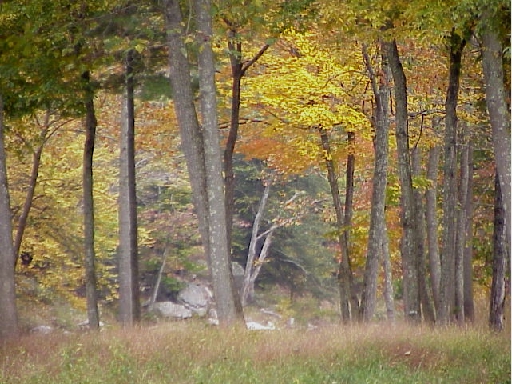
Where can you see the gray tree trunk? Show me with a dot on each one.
(377, 232)
(252, 253)
(469, 302)
(129, 296)
(500, 263)
(462, 223)
(499, 113)
(88, 205)
(389, 295)
(344, 272)
(201, 145)
(448, 250)
(432, 225)
(8, 310)
(408, 217)
(427, 309)
(229, 308)
(183, 98)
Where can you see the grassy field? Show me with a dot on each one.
(190, 352)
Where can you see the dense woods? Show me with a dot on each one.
(356, 153)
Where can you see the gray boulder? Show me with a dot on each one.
(171, 310)
(196, 297)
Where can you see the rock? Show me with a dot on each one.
(42, 329)
(172, 310)
(255, 326)
(196, 297)
(85, 324)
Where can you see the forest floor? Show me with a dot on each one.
(193, 352)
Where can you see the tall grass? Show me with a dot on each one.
(195, 353)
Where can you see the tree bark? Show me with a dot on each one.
(344, 272)
(408, 218)
(228, 304)
(8, 310)
(34, 174)
(448, 251)
(377, 231)
(461, 232)
(88, 204)
(500, 263)
(129, 296)
(252, 253)
(469, 303)
(183, 98)
(427, 309)
(432, 225)
(499, 112)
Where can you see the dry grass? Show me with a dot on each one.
(190, 352)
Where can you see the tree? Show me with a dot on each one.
(377, 232)
(496, 101)
(8, 310)
(409, 215)
(500, 263)
(88, 203)
(129, 302)
(202, 151)
(448, 251)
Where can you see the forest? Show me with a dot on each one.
(324, 161)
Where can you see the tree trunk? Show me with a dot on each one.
(499, 112)
(408, 219)
(238, 70)
(129, 296)
(448, 252)
(34, 174)
(432, 225)
(8, 310)
(253, 244)
(344, 273)
(500, 264)
(388, 279)
(420, 233)
(227, 300)
(183, 99)
(202, 151)
(469, 304)
(349, 207)
(377, 231)
(461, 232)
(235, 56)
(88, 207)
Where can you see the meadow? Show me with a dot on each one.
(193, 352)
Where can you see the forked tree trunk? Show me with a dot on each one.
(129, 296)
(253, 247)
(88, 204)
(8, 310)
